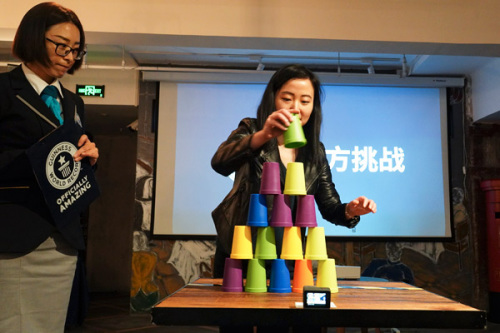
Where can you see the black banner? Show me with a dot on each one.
(68, 186)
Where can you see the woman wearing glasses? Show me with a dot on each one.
(37, 258)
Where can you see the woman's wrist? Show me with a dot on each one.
(259, 139)
(348, 216)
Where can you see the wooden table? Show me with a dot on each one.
(358, 304)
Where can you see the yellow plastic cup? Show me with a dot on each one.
(295, 183)
(292, 244)
(316, 244)
(327, 275)
(242, 243)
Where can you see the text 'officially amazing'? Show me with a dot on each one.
(73, 194)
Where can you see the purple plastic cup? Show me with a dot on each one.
(270, 182)
(233, 277)
(281, 214)
(306, 212)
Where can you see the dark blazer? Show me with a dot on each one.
(25, 221)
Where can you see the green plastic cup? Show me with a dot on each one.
(266, 244)
(256, 281)
(294, 135)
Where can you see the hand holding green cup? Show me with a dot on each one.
(294, 135)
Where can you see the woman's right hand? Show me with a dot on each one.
(276, 124)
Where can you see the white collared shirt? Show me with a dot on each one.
(38, 84)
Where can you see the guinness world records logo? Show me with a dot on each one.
(61, 169)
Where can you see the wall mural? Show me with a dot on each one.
(159, 268)
(391, 267)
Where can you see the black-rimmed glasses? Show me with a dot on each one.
(63, 50)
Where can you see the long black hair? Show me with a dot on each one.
(313, 127)
(29, 43)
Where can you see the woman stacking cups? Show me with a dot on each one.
(292, 94)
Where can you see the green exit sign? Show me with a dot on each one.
(90, 90)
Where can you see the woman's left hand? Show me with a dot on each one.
(88, 149)
(360, 206)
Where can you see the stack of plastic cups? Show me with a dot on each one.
(316, 244)
(280, 277)
(256, 281)
(292, 244)
(266, 244)
(302, 275)
(327, 275)
(306, 212)
(233, 276)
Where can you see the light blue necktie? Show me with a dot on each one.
(49, 96)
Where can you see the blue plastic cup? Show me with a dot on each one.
(280, 277)
(257, 211)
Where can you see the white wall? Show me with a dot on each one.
(121, 86)
(434, 21)
(486, 89)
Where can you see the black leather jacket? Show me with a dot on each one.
(235, 155)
